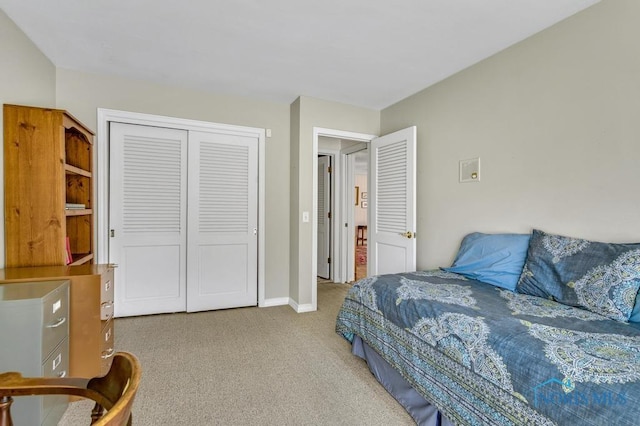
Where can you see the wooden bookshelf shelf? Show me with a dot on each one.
(79, 259)
(78, 212)
(72, 170)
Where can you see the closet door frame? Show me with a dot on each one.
(101, 159)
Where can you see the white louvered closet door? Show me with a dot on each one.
(392, 203)
(222, 251)
(147, 217)
(324, 222)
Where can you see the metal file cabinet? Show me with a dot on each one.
(34, 341)
(91, 307)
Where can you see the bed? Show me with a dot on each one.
(544, 333)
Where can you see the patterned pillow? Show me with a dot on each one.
(601, 277)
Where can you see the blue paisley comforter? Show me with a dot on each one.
(484, 355)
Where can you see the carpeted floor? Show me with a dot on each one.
(250, 366)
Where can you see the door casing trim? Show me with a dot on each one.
(331, 133)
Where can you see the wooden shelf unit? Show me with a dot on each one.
(48, 162)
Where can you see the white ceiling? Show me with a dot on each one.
(370, 53)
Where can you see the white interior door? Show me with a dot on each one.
(350, 229)
(147, 216)
(392, 203)
(324, 221)
(223, 221)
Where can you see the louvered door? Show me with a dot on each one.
(147, 216)
(222, 252)
(324, 221)
(392, 203)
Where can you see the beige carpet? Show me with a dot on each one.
(250, 366)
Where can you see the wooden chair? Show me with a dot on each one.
(114, 392)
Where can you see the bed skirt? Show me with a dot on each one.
(422, 411)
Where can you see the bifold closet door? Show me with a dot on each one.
(148, 217)
(222, 243)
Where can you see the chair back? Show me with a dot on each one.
(114, 392)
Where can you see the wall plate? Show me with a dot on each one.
(470, 170)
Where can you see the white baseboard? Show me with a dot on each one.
(276, 301)
(282, 301)
(308, 307)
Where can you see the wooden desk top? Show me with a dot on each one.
(40, 272)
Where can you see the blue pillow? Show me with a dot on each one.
(600, 277)
(495, 259)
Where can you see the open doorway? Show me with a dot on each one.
(336, 144)
(344, 246)
(392, 167)
(341, 209)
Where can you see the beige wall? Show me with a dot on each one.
(27, 77)
(307, 113)
(294, 209)
(555, 121)
(83, 93)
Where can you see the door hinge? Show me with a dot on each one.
(328, 260)
(113, 233)
(329, 169)
(329, 215)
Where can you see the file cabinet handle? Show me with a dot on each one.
(108, 353)
(58, 323)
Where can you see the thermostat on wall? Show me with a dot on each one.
(470, 170)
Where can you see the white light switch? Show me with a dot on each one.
(305, 216)
(470, 170)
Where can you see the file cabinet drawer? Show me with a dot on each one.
(106, 295)
(106, 310)
(107, 345)
(57, 365)
(55, 314)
